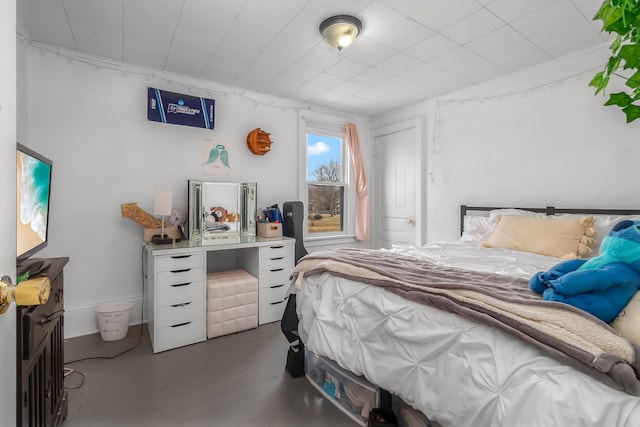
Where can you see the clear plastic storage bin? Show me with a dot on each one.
(352, 394)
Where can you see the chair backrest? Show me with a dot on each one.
(293, 213)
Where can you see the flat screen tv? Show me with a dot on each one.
(33, 178)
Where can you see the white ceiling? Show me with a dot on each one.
(409, 50)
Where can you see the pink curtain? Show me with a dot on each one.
(362, 193)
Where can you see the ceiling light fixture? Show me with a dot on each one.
(340, 30)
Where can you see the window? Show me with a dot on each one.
(325, 186)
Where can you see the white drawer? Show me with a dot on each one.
(274, 264)
(275, 251)
(179, 262)
(273, 293)
(180, 293)
(270, 311)
(179, 313)
(179, 335)
(178, 277)
(275, 277)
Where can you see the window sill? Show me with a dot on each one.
(329, 240)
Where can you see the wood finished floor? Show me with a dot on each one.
(236, 380)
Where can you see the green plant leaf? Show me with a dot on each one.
(620, 99)
(597, 82)
(631, 55)
(613, 64)
(601, 82)
(632, 112)
(623, 18)
(614, 23)
(634, 80)
(615, 46)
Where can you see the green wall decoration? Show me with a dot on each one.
(622, 17)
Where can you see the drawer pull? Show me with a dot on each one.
(276, 286)
(277, 269)
(180, 256)
(277, 258)
(277, 247)
(274, 303)
(181, 271)
(180, 324)
(177, 285)
(184, 304)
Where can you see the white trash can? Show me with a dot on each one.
(113, 320)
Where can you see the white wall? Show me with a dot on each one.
(7, 215)
(538, 137)
(91, 121)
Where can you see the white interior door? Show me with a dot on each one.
(8, 213)
(398, 187)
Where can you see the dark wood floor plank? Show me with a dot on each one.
(235, 380)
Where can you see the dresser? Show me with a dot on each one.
(40, 394)
(175, 279)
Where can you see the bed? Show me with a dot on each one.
(454, 356)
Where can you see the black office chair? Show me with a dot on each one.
(293, 213)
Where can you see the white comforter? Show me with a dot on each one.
(456, 371)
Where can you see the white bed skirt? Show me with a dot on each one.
(456, 371)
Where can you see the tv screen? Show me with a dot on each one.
(33, 178)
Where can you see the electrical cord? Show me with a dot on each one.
(69, 371)
(124, 351)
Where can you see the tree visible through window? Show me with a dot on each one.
(325, 183)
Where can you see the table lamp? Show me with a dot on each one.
(162, 207)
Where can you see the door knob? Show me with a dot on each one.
(411, 221)
(28, 292)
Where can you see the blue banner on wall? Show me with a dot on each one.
(178, 109)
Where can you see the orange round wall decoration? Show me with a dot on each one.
(259, 142)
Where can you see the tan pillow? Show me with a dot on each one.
(566, 238)
(628, 321)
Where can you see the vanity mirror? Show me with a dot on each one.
(217, 208)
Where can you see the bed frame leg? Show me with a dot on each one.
(383, 416)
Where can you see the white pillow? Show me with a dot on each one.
(604, 224)
(476, 229)
(495, 214)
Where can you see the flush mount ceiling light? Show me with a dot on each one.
(340, 30)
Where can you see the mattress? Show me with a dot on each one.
(456, 371)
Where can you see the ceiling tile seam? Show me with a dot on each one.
(508, 24)
(450, 71)
(66, 14)
(589, 20)
(403, 50)
(222, 39)
(122, 18)
(265, 48)
(173, 36)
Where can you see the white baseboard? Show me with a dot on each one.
(82, 320)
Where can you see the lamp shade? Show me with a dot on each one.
(162, 204)
(341, 30)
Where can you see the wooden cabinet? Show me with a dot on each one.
(40, 395)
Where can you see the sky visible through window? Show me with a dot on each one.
(321, 149)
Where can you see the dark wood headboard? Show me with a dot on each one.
(549, 210)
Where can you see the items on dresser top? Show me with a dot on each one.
(176, 282)
(217, 208)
